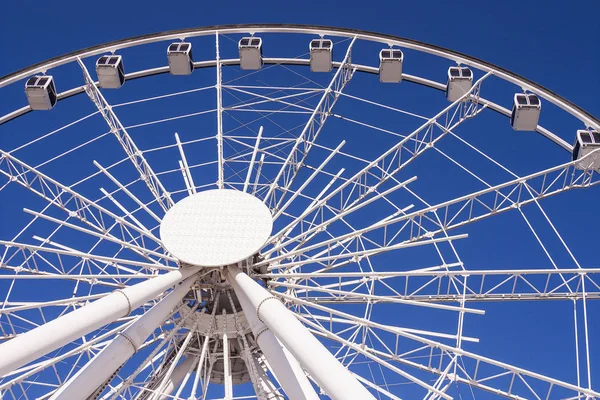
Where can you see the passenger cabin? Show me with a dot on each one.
(250, 53)
(525, 112)
(180, 58)
(390, 65)
(110, 72)
(585, 143)
(460, 81)
(40, 92)
(320, 55)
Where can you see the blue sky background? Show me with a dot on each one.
(552, 43)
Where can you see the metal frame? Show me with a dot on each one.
(391, 40)
(302, 262)
(295, 61)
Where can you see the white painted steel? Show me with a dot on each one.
(284, 366)
(54, 334)
(312, 127)
(251, 166)
(160, 388)
(227, 382)
(126, 191)
(306, 241)
(186, 168)
(129, 146)
(268, 387)
(218, 87)
(325, 369)
(101, 367)
(216, 227)
(52, 190)
(499, 205)
(177, 377)
(390, 40)
(450, 349)
(296, 61)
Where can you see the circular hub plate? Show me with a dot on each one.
(216, 227)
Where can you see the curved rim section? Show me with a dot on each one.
(362, 68)
(458, 57)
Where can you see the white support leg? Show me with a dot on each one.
(186, 377)
(284, 366)
(327, 371)
(101, 367)
(54, 334)
(177, 377)
(167, 378)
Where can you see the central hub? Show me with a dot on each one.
(216, 228)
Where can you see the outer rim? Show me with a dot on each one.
(585, 116)
(295, 61)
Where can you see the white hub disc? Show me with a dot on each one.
(216, 227)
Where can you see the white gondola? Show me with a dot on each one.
(250, 53)
(110, 72)
(460, 81)
(525, 112)
(180, 58)
(40, 92)
(390, 65)
(320, 55)
(585, 143)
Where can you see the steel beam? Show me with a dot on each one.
(147, 175)
(110, 359)
(54, 334)
(284, 366)
(327, 371)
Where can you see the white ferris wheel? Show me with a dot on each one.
(295, 212)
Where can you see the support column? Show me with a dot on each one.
(160, 387)
(284, 366)
(176, 378)
(54, 334)
(101, 367)
(327, 371)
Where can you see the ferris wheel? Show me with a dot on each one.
(296, 212)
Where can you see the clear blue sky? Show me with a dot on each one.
(554, 43)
